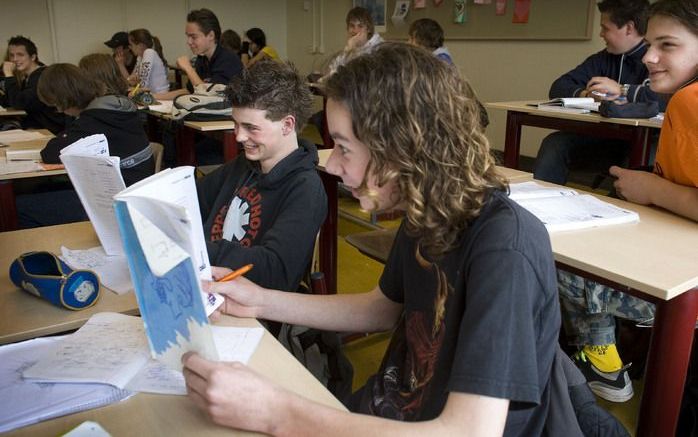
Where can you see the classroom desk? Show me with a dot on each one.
(185, 136)
(655, 260)
(168, 415)
(8, 208)
(12, 112)
(519, 113)
(23, 316)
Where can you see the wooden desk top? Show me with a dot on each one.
(206, 126)
(12, 112)
(523, 106)
(166, 415)
(23, 316)
(656, 256)
(30, 144)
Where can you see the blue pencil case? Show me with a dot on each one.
(44, 275)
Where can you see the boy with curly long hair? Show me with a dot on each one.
(469, 288)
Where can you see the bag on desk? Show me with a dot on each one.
(629, 110)
(44, 275)
(208, 103)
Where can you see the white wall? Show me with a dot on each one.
(82, 26)
(498, 70)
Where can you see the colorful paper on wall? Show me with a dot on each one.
(483, 2)
(437, 3)
(420, 4)
(521, 11)
(459, 15)
(402, 8)
(501, 7)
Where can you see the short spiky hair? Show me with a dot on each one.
(28, 44)
(623, 11)
(421, 124)
(275, 87)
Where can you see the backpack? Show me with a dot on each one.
(208, 103)
(321, 353)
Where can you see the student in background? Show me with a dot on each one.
(213, 63)
(73, 91)
(361, 38)
(616, 73)
(22, 73)
(428, 34)
(123, 56)
(255, 48)
(469, 287)
(151, 69)
(266, 207)
(231, 40)
(88, 93)
(588, 307)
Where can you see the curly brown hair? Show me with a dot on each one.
(275, 87)
(421, 124)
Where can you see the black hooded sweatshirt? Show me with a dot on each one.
(117, 118)
(24, 96)
(269, 220)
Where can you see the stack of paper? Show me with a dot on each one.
(563, 209)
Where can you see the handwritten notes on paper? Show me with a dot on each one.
(112, 270)
(112, 349)
(26, 402)
(96, 177)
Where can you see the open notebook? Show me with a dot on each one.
(564, 209)
(112, 349)
(580, 104)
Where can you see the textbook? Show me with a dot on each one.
(163, 239)
(564, 209)
(96, 177)
(584, 103)
(112, 349)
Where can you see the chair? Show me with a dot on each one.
(158, 150)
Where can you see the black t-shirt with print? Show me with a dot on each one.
(484, 319)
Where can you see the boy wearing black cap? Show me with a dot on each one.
(122, 54)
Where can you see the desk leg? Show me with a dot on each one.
(512, 141)
(327, 141)
(639, 149)
(328, 234)
(186, 149)
(667, 363)
(230, 146)
(8, 208)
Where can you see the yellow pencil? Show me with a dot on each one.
(235, 273)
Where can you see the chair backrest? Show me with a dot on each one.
(158, 150)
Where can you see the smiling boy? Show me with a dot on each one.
(615, 72)
(214, 64)
(22, 72)
(266, 207)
